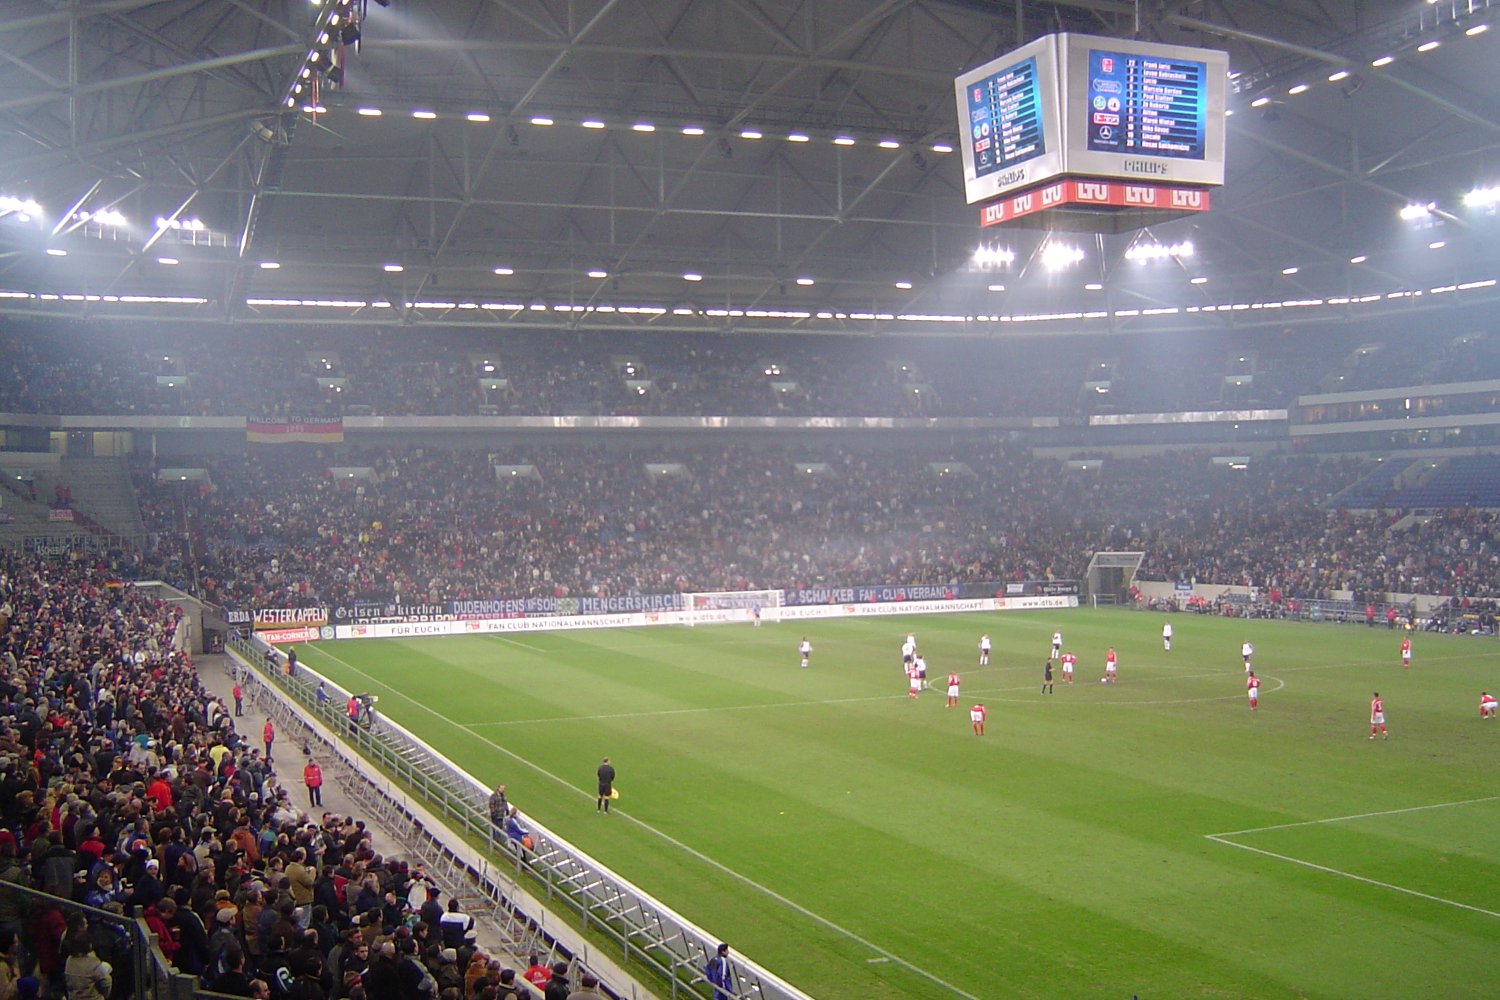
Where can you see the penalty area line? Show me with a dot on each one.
(1355, 816)
(517, 642)
(1220, 839)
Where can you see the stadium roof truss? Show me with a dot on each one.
(766, 160)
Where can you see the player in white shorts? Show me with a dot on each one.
(1056, 644)
(1166, 636)
(1109, 666)
(984, 650)
(806, 650)
(976, 719)
(921, 664)
(1246, 651)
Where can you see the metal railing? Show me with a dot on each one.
(136, 958)
(528, 888)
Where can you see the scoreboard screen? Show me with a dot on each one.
(1005, 118)
(1081, 105)
(1146, 104)
(1011, 121)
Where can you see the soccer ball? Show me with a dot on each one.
(1104, 680)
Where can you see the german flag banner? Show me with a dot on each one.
(295, 430)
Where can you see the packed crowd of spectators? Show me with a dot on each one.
(75, 368)
(124, 785)
(428, 525)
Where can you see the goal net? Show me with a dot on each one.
(733, 606)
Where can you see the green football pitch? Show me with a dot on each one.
(1151, 838)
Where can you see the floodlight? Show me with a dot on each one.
(1337, 75)
(1382, 61)
(888, 144)
(1417, 211)
(1300, 88)
(798, 137)
(1056, 256)
(805, 282)
(393, 268)
(843, 140)
(1141, 253)
(1289, 271)
(597, 273)
(691, 276)
(371, 112)
(503, 271)
(905, 286)
(643, 127)
(1485, 197)
(1358, 258)
(686, 130)
(542, 120)
(427, 115)
(750, 133)
(55, 252)
(168, 260)
(269, 265)
(994, 256)
(478, 117)
(1429, 45)
(1476, 29)
(591, 123)
(10, 203)
(942, 147)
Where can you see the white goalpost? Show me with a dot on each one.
(732, 606)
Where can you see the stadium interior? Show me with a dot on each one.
(327, 303)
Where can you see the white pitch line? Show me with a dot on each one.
(518, 642)
(1218, 839)
(717, 865)
(1345, 819)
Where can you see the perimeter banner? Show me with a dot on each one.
(638, 619)
(520, 607)
(913, 592)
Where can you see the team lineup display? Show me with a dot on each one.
(1005, 118)
(1085, 106)
(1146, 104)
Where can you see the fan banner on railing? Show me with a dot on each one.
(295, 430)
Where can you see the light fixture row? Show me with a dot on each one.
(1340, 301)
(545, 121)
(1378, 62)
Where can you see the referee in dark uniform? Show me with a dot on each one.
(606, 786)
(1047, 677)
